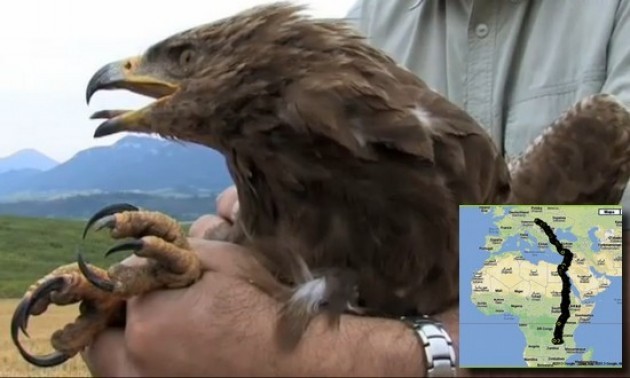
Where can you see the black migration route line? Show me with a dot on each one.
(566, 282)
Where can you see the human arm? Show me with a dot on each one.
(618, 55)
(220, 326)
(618, 68)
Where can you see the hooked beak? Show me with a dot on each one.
(132, 75)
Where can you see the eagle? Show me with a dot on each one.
(349, 171)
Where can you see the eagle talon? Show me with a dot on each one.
(134, 245)
(107, 114)
(108, 221)
(20, 322)
(49, 360)
(23, 311)
(105, 213)
(93, 278)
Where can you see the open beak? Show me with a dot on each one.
(129, 74)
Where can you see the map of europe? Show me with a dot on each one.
(540, 286)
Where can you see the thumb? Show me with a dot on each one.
(226, 203)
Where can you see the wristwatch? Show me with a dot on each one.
(438, 346)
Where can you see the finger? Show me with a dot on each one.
(224, 257)
(218, 255)
(225, 203)
(204, 225)
(214, 255)
(107, 356)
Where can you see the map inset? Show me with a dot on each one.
(540, 286)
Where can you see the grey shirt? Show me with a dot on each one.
(513, 65)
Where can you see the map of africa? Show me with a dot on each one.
(540, 286)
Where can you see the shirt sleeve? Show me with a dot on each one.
(618, 65)
(618, 76)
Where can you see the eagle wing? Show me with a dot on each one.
(583, 157)
(376, 113)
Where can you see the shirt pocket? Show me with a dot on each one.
(527, 118)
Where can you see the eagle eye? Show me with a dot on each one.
(186, 57)
(183, 58)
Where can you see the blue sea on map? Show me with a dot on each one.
(473, 349)
(594, 239)
(565, 234)
(534, 254)
(603, 334)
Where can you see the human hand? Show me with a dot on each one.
(224, 326)
(218, 326)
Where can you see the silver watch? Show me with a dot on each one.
(441, 360)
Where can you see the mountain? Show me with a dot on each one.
(134, 163)
(26, 159)
(84, 206)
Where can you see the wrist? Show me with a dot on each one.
(440, 358)
(450, 322)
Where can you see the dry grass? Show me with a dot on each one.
(40, 329)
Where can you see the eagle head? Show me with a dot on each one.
(209, 79)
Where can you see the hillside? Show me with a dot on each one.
(83, 206)
(134, 163)
(31, 248)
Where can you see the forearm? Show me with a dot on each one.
(360, 347)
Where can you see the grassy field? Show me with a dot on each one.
(32, 247)
(40, 329)
(29, 249)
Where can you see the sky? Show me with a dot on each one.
(50, 49)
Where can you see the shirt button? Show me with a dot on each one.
(481, 30)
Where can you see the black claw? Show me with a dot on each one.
(20, 319)
(48, 360)
(20, 322)
(133, 245)
(109, 210)
(103, 284)
(107, 114)
(23, 310)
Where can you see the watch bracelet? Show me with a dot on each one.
(440, 354)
